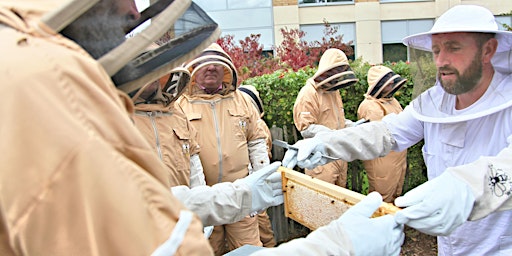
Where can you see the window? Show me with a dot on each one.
(315, 32)
(242, 18)
(394, 52)
(394, 31)
(323, 2)
(217, 5)
(399, 1)
(504, 22)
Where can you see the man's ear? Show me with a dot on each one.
(489, 49)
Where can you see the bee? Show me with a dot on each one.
(498, 181)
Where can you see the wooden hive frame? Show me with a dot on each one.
(314, 203)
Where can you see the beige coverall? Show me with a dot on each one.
(77, 177)
(385, 174)
(264, 224)
(230, 140)
(316, 106)
(172, 136)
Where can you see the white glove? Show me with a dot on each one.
(266, 187)
(372, 236)
(313, 129)
(349, 123)
(196, 172)
(258, 154)
(304, 157)
(364, 142)
(354, 233)
(207, 231)
(436, 207)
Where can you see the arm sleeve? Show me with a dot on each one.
(323, 241)
(364, 142)
(490, 178)
(405, 129)
(222, 203)
(258, 154)
(196, 172)
(305, 109)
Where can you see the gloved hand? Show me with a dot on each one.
(304, 157)
(266, 187)
(372, 236)
(436, 207)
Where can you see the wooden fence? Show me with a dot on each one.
(284, 228)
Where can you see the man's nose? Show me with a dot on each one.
(212, 66)
(441, 59)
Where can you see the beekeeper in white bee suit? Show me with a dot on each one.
(385, 174)
(77, 178)
(319, 107)
(465, 120)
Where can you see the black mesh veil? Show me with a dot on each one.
(180, 27)
(193, 31)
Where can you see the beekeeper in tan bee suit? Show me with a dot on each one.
(168, 130)
(77, 177)
(264, 224)
(385, 174)
(319, 107)
(229, 135)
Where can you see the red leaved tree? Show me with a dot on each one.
(293, 53)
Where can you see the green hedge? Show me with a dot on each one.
(279, 90)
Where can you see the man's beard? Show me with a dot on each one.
(465, 82)
(98, 30)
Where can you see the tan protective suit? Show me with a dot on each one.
(385, 174)
(230, 140)
(173, 138)
(77, 177)
(264, 224)
(317, 109)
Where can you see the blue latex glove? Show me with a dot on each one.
(436, 207)
(309, 155)
(266, 187)
(372, 236)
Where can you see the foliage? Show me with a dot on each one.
(293, 53)
(296, 53)
(248, 56)
(278, 92)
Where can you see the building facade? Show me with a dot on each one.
(375, 28)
